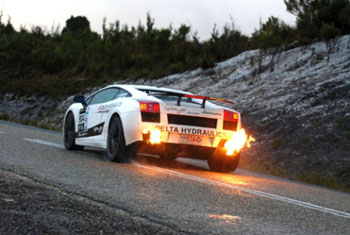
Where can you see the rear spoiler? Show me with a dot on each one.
(204, 98)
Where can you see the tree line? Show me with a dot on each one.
(63, 62)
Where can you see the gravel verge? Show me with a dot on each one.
(31, 207)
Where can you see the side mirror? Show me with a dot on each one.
(80, 99)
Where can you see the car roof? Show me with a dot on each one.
(138, 90)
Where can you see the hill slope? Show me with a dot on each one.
(297, 107)
(296, 104)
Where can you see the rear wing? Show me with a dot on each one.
(205, 98)
(180, 96)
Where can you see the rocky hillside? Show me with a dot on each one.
(295, 103)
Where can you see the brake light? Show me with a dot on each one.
(230, 120)
(150, 111)
(230, 116)
(149, 107)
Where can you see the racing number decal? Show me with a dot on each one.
(83, 130)
(83, 120)
(81, 123)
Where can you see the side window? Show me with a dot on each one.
(122, 93)
(104, 96)
(88, 101)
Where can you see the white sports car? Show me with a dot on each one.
(126, 119)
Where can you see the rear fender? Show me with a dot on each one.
(130, 120)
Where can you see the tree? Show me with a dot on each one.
(313, 14)
(344, 19)
(328, 31)
(76, 25)
(8, 28)
(272, 37)
(305, 11)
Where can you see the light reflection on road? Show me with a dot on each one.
(229, 219)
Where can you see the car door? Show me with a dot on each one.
(93, 119)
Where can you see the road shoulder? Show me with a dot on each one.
(30, 207)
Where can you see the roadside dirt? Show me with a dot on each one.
(30, 207)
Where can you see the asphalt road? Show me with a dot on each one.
(181, 197)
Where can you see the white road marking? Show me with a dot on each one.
(229, 186)
(2, 132)
(43, 142)
(250, 191)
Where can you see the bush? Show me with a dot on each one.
(47, 61)
(328, 31)
(37, 62)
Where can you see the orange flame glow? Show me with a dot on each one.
(238, 140)
(155, 135)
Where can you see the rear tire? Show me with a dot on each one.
(220, 162)
(117, 151)
(69, 133)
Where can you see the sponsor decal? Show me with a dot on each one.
(183, 110)
(80, 127)
(106, 107)
(83, 131)
(211, 113)
(192, 131)
(192, 113)
(97, 129)
(176, 110)
(83, 122)
(81, 118)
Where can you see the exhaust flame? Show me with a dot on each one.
(154, 135)
(238, 141)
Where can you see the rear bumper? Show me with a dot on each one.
(185, 135)
(192, 142)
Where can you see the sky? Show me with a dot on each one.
(201, 15)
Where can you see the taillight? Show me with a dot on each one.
(230, 116)
(150, 111)
(230, 120)
(150, 107)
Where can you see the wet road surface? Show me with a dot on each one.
(182, 196)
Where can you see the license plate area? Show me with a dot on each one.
(191, 139)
